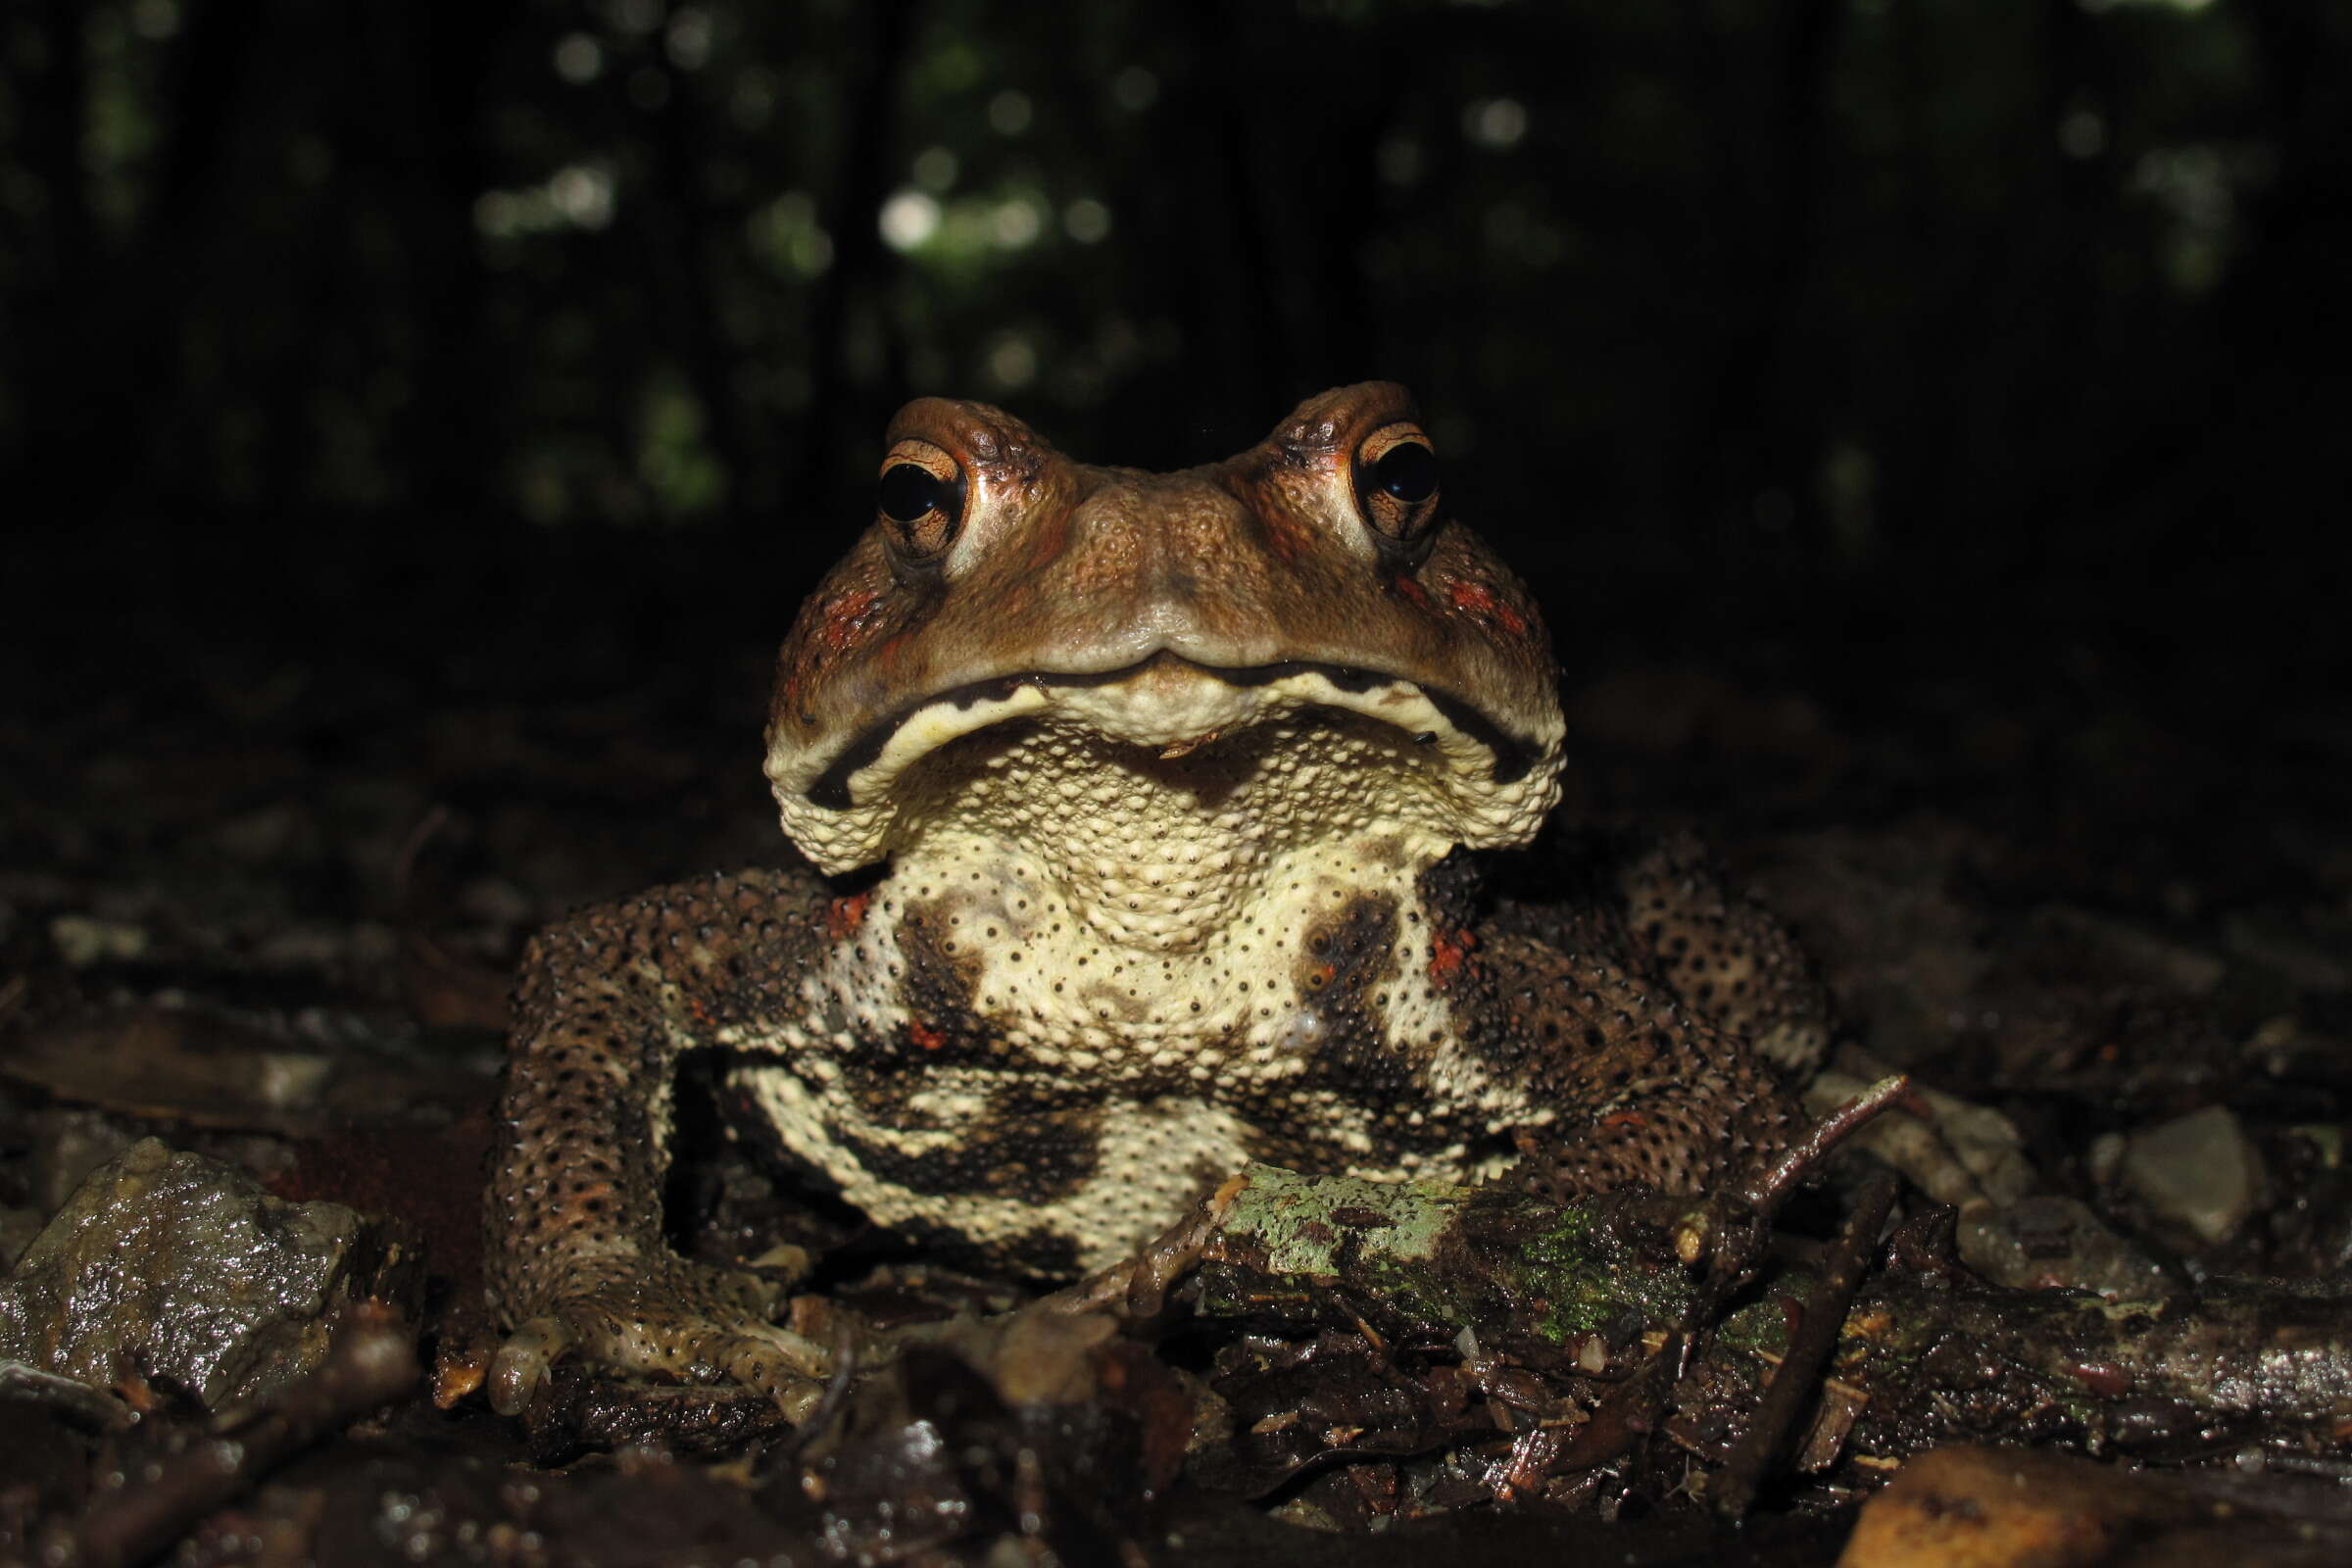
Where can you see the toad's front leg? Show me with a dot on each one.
(576, 1262)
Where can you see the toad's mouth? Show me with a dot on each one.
(1166, 705)
(1173, 717)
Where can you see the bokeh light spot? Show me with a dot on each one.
(1009, 112)
(580, 59)
(908, 219)
(1086, 220)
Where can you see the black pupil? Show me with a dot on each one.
(1408, 470)
(910, 492)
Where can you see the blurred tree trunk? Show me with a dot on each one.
(103, 372)
(451, 443)
(1751, 436)
(1911, 429)
(52, 383)
(687, 260)
(857, 280)
(1239, 180)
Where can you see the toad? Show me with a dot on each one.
(1147, 822)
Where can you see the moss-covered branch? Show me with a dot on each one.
(1587, 1294)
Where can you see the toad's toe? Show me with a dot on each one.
(694, 1335)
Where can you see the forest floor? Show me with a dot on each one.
(263, 868)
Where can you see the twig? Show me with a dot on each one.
(1766, 1192)
(1134, 1288)
(1809, 1347)
(373, 1363)
(91, 1408)
(836, 1394)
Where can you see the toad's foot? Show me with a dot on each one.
(696, 1323)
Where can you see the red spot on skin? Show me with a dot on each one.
(1624, 1121)
(1405, 588)
(926, 1037)
(2102, 1378)
(1449, 955)
(842, 917)
(1479, 600)
(834, 627)
(840, 623)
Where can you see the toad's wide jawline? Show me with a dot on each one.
(975, 705)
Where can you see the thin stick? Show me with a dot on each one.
(836, 1394)
(372, 1363)
(1765, 1192)
(1809, 1349)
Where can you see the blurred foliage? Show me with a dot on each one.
(1984, 292)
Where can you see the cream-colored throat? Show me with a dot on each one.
(1168, 851)
(1098, 772)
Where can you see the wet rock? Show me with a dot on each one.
(1958, 1507)
(2198, 1172)
(1959, 1153)
(2050, 1243)
(932, 1464)
(170, 1268)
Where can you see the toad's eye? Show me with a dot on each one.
(908, 492)
(1396, 484)
(921, 499)
(1408, 472)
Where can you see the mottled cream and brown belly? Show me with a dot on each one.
(1100, 978)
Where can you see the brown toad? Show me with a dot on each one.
(1177, 781)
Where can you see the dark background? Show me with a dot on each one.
(1948, 365)
(1924, 422)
